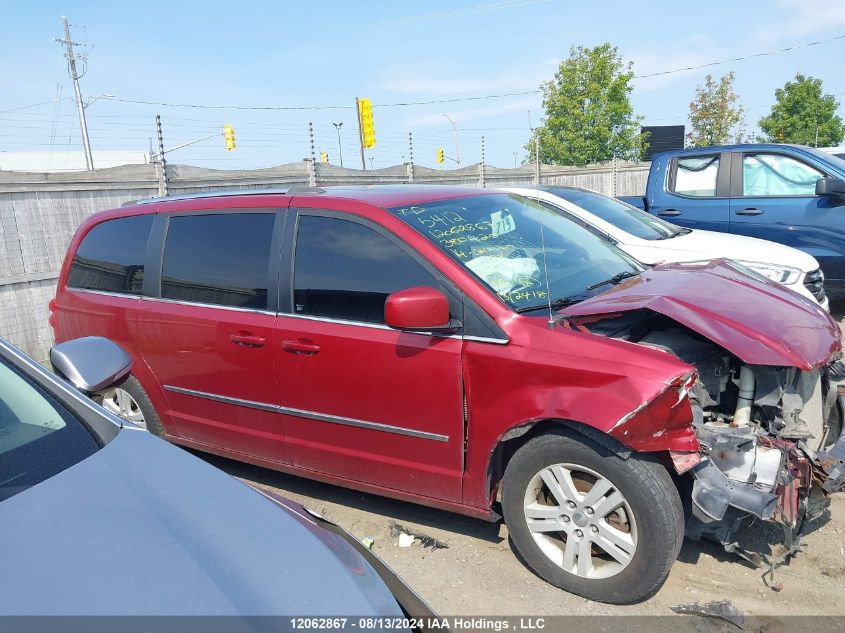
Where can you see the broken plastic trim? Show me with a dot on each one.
(832, 461)
(713, 493)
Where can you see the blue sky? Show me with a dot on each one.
(393, 51)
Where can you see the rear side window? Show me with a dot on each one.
(697, 176)
(345, 270)
(111, 256)
(218, 259)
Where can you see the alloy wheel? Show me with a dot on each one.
(580, 521)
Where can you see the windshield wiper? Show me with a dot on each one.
(555, 305)
(618, 277)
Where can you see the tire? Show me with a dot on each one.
(645, 531)
(137, 408)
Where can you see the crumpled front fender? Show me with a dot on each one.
(663, 422)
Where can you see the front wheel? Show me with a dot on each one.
(590, 522)
(130, 402)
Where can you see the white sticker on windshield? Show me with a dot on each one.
(502, 222)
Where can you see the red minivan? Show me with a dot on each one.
(474, 351)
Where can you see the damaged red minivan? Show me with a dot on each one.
(474, 351)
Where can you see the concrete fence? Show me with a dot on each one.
(39, 213)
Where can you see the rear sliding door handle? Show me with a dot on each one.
(300, 347)
(245, 339)
(749, 211)
(669, 213)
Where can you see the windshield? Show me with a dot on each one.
(38, 438)
(500, 238)
(622, 216)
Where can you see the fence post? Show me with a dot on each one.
(312, 172)
(411, 157)
(482, 180)
(161, 163)
(614, 176)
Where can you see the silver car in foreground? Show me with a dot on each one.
(98, 517)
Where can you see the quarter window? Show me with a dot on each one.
(218, 259)
(697, 176)
(345, 270)
(777, 175)
(111, 256)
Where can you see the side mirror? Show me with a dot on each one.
(91, 363)
(419, 309)
(830, 187)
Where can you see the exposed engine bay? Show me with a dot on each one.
(771, 439)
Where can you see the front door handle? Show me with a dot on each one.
(304, 347)
(247, 339)
(749, 211)
(669, 213)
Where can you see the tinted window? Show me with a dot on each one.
(621, 215)
(777, 175)
(38, 438)
(218, 259)
(111, 256)
(696, 175)
(345, 270)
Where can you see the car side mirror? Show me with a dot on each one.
(419, 309)
(90, 364)
(830, 187)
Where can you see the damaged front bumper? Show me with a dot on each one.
(744, 474)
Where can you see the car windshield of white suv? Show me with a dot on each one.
(38, 438)
(527, 254)
(623, 216)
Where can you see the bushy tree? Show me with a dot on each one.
(715, 118)
(589, 117)
(803, 114)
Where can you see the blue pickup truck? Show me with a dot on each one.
(790, 194)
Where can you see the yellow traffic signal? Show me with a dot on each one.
(324, 157)
(440, 157)
(229, 136)
(368, 130)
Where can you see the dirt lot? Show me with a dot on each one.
(479, 574)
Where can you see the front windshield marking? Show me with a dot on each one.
(501, 238)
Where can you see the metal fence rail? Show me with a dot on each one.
(39, 213)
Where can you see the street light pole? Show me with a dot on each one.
(457, 140)
(337, 126)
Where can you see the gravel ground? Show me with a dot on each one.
(480, 575)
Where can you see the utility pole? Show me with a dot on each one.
(80, 106)
(337, 126)
(360, 133)
(457, 140)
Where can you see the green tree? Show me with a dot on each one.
(803, 114)
(589, 117)
(715, 118)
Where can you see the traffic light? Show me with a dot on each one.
(324, 157)
(368, 130)
(440, 157)
(229, 136)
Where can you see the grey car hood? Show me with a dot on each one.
(145, 528)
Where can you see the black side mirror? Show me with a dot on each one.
(90, 364)
(830, 187)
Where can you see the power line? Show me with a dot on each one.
(743, 58)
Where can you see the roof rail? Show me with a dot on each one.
(223, 193)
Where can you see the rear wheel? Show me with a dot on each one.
(130, 402)
(588, 521)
